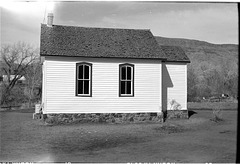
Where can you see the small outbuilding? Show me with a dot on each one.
(110, 70)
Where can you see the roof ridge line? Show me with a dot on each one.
(100, 27)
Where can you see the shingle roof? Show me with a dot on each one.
(175, 54)
(98, 42)
(105, 42)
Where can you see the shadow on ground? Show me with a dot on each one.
(191, 112)
(93, 143)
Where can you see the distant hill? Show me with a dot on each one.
(206, 57)
(199, 51)
(204, 52)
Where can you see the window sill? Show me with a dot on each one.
(126, 95)
(83, 95)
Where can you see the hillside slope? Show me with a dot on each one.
(199, 51)
(213, 67)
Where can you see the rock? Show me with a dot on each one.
(124, 118)
(95, 119)
(136, 118)
(154, 118)
(102, 119)
(118, 120)
(74, 116)
(84, 120)
(66, 115)
(50, 120)
(143, 118)
(131, 119)
(60, 116)
(65, 120)
(113, 120)
(77, 120)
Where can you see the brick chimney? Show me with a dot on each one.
(50, 20)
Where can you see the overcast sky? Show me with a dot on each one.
(211, 22)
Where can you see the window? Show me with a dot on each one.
(84, 79)
(126, 80)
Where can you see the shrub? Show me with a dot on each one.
(174, 105)
(217, 115)
(14, 97)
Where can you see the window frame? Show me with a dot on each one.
(90, 79)
(132, 79)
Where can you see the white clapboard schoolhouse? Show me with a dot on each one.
(110, 70)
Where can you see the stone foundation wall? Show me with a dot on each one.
(177, 114)
(112, 117)
(104, 118)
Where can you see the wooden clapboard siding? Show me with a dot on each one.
(174, 84)
(43, 85)
(60, 86)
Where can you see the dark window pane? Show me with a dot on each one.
(123, 73)
(86, 86)
(129, 87)
(86, 72)
(80, 72)
(129, 73)
(122, 87)
(80, 86)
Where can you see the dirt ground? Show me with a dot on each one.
(196, 139)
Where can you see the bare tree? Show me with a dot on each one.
(16, 59)
(33, 81)
(192, 81)
(206, 79)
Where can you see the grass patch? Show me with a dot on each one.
(216, 115)
(170, 128)
(25, 139)
(26, 110)
(212, 105)
(72, 145)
